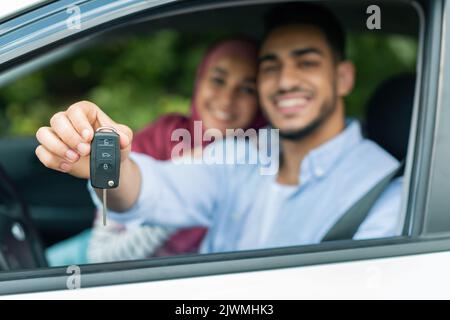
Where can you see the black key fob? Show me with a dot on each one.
(105, 159)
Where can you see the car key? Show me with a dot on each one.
(105, 162)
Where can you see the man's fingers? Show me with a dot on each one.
(83, 115)
(50, 140)
(62, 126)
(75, 128)
(52, 161)
(66, 144)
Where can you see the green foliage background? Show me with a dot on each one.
(135, 79)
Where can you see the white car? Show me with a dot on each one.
(37, 206)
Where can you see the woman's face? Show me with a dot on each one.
(226, 97)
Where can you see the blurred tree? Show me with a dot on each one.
(377, 58)
(137, 78)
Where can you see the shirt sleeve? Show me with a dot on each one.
(384, 219)
(173, 194)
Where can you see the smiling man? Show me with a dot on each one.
(326, 164)
(303, 77)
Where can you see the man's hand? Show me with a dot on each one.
(65, 145)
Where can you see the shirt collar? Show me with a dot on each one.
(319, 161)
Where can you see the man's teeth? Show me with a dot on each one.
(225, 116)
(289, 103)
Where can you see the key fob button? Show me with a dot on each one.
(106, 154)
(105, 166)
(105, 143)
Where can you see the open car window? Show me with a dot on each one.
(144, 72)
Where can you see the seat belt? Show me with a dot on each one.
(346, 227)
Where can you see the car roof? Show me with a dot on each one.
(398, 17)
(17, 7)
(30, 29)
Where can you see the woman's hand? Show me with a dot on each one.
(65, 145)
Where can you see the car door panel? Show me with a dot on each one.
(59, 204)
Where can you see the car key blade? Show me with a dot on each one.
(104, 207)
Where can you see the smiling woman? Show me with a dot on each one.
(224, 88)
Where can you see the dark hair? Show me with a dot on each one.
(293, 13)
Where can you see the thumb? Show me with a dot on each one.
(125, 133)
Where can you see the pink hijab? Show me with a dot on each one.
(155, 139)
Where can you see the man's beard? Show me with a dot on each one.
(326, 110)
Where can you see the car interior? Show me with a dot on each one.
(40, 207)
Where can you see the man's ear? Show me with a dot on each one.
(345, 78)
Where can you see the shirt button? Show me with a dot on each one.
(319, 172)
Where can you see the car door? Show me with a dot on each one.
(49, 195)
(347, 268)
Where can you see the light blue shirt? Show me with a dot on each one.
(246, 210)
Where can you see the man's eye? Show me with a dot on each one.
(307, 63)
(269, 69)
(248, 90)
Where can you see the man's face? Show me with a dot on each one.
(298, 77)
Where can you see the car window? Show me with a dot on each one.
(173, 73)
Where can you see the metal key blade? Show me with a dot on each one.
(104, 207)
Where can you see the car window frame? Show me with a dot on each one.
(417, 165)
(437, 204)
